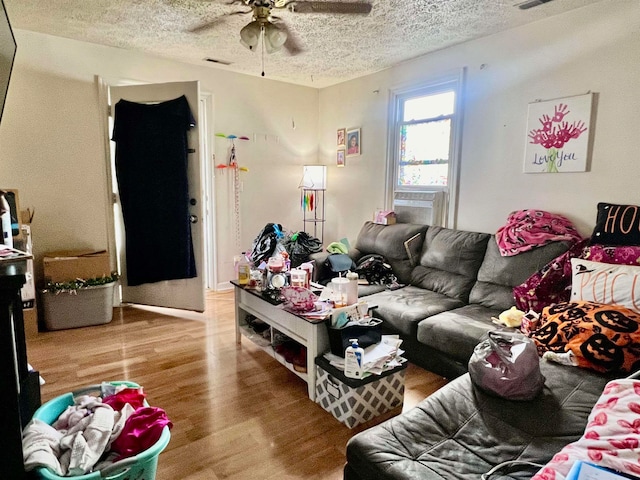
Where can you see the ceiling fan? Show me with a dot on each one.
(273, 32)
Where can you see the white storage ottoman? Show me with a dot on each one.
(355, 401)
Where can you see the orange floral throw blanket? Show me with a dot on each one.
(601, 337)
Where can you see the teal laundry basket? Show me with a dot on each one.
(139, 467)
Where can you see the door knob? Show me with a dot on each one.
(193, 218)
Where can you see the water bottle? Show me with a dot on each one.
(353, 360)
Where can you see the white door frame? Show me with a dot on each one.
(208, 210)
(207, 139)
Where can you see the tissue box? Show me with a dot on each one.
(385, 217)
(355, 401)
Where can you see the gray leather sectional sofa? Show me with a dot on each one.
(455, 281)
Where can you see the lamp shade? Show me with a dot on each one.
(274, 37)
(314, 177)
(250, 35)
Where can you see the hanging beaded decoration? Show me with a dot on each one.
(233, 164)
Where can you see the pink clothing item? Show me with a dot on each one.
(142, 429)
(528, 229)
(612, 436)
(132, 396)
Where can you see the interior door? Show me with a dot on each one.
(186, 294)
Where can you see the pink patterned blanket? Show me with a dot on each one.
(612, 436)
(527, 229)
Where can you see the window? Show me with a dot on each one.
(423, 143)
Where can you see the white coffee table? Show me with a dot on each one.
(310, 333)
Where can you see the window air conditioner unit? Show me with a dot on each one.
(419, 207)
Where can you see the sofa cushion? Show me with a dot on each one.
(456, 332)
(459, 432)
(449, 261)
(364, 290)
(389, 241)
(402, 309)
(498, 275)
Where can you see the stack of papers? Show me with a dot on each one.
(378, 358)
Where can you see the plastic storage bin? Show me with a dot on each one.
(355, 401)
(88, 306)
(139, 467)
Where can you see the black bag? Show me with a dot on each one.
(299, 246)
(376, 270)
(265, 243)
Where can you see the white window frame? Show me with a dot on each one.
(451, 81)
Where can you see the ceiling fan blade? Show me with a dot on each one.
(330, 7)
(214, 21)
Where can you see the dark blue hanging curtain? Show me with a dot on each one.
(151, 170)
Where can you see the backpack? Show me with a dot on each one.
(339, 263)
(375, 269)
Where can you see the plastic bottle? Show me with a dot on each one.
(244, 270)
(352, 288)
(353, 360)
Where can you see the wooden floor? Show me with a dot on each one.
(236, 412)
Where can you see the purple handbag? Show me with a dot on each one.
(506, 364)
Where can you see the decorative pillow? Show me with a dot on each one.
(605, 283)
(602, 337)
(617, 225)
(552, 283)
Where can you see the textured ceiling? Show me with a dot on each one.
(335, 47)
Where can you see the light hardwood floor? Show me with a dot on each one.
(237, 413)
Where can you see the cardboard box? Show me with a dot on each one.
(352, 401)
(68, 265)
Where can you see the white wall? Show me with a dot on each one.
(595, 48)
(52, 146)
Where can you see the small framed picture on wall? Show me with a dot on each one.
(340, 158)
(341, 136)
(353, 142)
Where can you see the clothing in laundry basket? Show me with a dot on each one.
(131, 396)
(142, 429)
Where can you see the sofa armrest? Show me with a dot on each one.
(320, 269)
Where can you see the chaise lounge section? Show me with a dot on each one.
(460, 433)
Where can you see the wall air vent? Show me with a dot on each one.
(530, 4)
(215, 60)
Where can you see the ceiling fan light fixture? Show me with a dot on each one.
(274, 38)
(250, 35)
